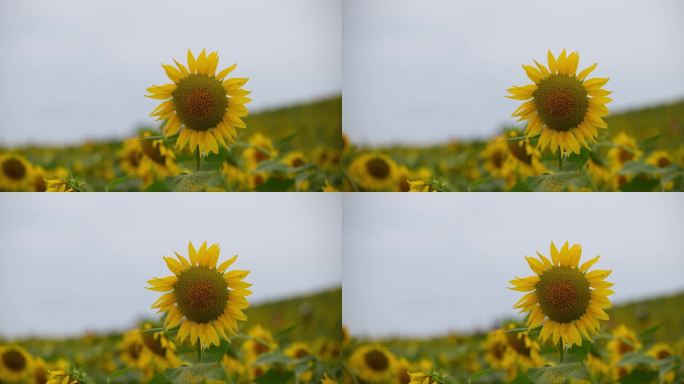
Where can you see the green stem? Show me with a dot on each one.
(560, 161)
(561, 351)
(199, 353)
(197, 159)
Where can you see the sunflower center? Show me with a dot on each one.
(664, 162)
(297, 162)
(201, 294)
(301, 352)
(14, 169)
(14, 360)
(561, 102)
(563, 294)
(200, 101)
(260, 156)
(497, 159)
(260, 348)
(518, 151)
(625, 347)
(376, 360)
(663, 354)
(378, 168)
(625, 155)
(517, 343)
(153, 152)
(154, 344)
(134, 350)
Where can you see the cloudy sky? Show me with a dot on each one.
(425, 264)
(78, 69)
(425, 71)
(75, 262)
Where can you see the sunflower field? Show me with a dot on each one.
(570, 142)
(570, 334)
(205, 141)
(208, 334)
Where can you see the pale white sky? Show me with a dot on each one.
(426, 71)
(78, 69)
(424, 264)
(76, 262)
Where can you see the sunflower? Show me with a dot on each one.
(38, 183)
(260, 149)
(495, 156)
(525, 160)
(295, 159)
(374, 172)
(373, 363)
(421, 378)
(563, 107)
(234, 177)
(327, 187)
(15, 172)
(403, 367)
(15, 363)
(148, 159)
(203, 107)
(131, 348)
(261, 341)
(624, 150)
(300, 350)
(67, 376)
(624, 341)
(206, 301)
(565, 298)
(158, 352)
(327, 380)
(40, 371)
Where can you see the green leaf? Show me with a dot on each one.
(195, 373)
(579, 160)
(284, 140)
(482, 373)
(158, 186)
(154, 330)
(193, 182)
(649, 331)
(273, 166)
(523, 329)
(636, 167)
(275, 377)
(521, 186)
(116, 374)
(479, 182)
(646, 143)
(641, 183)
(275, 185)
(581, 352)
(552, 182)
(522, 379)
(283, 333)
(113, 183)
(273, 358)
(159, 378)
(640, 376)
(637, 358)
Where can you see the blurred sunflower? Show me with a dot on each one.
(131, 348)
(563, 107)
(206, 301)
(158, 353)
(624, 150)
(524, 158)
(38, 183)
(260, 149)
(67, 376)
(373, 363)
(623, 342)
(15, 364)
(660, 159)
(40, 371)
(149, 159)
(565, 298)
(374, 172)
(261, 341)
(15, 172)
(201, 106)
(495, 156)
(421, 378)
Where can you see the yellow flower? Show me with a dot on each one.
(203, 107)
(329, 187)
(660, 159)
(15, 172)
(260, 149)
(15, 363)
(421, 186)
(513, 351)
(563, 297)
(374, 172)
(64, 377)
(131, 348)
(624, 150)
(40, 371)
(624, 341)
(562, 106)
(327, 380)
(206, 301)
(373, 363)
(421, 378)
(260, 342)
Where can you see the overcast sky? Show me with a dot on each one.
(424, 264)
(76, 262)
(78, 69)
(426, 71)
